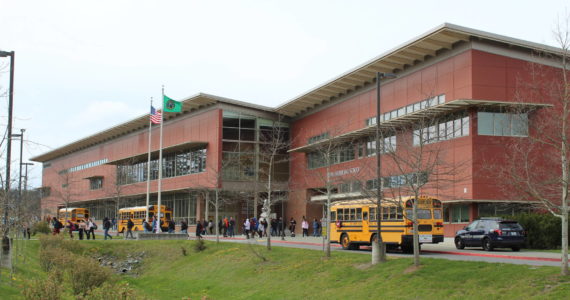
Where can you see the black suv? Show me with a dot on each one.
(491, 233)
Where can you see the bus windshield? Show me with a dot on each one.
(422, 213)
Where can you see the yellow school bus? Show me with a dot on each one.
(73, 214)
(353, 223)
(138, 214)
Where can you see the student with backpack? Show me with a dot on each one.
(106, 226)
(130, 226)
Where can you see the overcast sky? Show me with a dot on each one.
(84, 66)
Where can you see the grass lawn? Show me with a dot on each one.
(235, 271)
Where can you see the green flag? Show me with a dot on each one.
(170, 105)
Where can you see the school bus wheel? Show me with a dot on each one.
(345, 242)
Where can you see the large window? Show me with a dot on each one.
(502, 124)
(459, 213)
(442, 131)
(338, 155)
(95, 183)
(178, 164)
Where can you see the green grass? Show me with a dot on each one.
(233, 271)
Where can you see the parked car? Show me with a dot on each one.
(491, 233)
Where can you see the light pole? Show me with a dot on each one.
(379, 137)
(26, 176)
(5, 241)
(21, 136)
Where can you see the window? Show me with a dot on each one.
(459, 213)
(320, 137)
(449, 129)
(95, 183)
(502, 124)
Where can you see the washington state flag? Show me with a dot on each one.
(170, 105)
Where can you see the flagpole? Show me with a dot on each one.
(148, 164)
(160, 162)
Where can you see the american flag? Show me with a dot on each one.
(155, 115)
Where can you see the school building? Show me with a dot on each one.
(454, 89)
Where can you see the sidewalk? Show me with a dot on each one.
(447, 247)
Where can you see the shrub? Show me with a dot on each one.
(41, 227)
(544, 231)
(50, 241)
(43, 289)
(86, 274)
(54, 258)
(200, 245)
(107, 291)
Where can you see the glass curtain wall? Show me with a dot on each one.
(242, 136)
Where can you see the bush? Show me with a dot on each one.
(200, 245)
(43, 289)
(86, 274)
(107, 291)
(53, 258)
(544, 231)
(41, 227)
(50, 241)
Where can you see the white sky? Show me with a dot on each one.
(84, 66)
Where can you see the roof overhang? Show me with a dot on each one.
(189, 105)
(414, 117)
(154, 154)
(442, 38)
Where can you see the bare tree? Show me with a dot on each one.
(274, 143)
(421, 163)
(538, 166)
(325, 151)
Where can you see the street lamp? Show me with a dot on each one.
(26, 176)
(379, 137)
(8, 146)
(21, 136)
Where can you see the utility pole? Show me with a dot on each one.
(5, 239)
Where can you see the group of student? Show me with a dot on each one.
(83, 227)
(253, 226)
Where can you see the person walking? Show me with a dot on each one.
(91, 226)
(146, 226)
(71, 227)
(130, 226)
(56, 226)
(280, 226)
(232, 226)
(183, 226)
(205, 227)
(171, 226)
(292, 225)
(82, 229)
(114, 223)
(106, 226)
(211, 226)
(305, 227)
(199, 229)
(315, 228)
(246, 227)
(273, 227)
(260, 228)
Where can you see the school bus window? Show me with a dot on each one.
(373, 214)
(359, 214)
(333, 215)
(422, 213)
(399, 213)
(437, 213)
(365, 216)
(352, 214)
(385, 213)
(393, 213)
